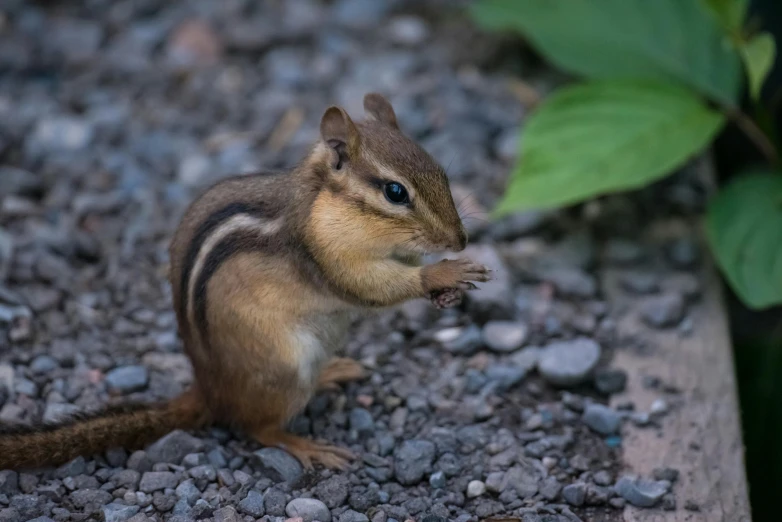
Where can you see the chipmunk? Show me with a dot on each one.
(266, 271)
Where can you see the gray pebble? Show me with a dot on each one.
(460, 340)
(575, 494)
(77, 466)
(9, 482)
(118, 512)
(252, 504)
(353, 516)
(641, 492)
(568, 363)
(550, 488)
(505, 376)
(173, 447)
(437, 480)
(43, 364)
(669, 474)
(504, 336)
(188, 492)
(333, 491)
(640, 283)
(157, 480)
(408, 30)
(475, 488)
(610, 381)
(361, 420)
(602, 419)
(127, 379)
(571, 281)
(274, 502)
(412, 460)
(278, 465)
(683, 253)
(603, 478)
(226, 514)
(664, 311)
(308, 509)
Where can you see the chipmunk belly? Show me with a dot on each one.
(315, 340)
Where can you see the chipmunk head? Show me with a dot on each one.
(395, 191)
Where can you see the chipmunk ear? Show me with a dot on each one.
(339, 132)
(380, 109)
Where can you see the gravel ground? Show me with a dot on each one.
(114, 115)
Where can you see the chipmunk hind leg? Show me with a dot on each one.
(340, 370)
(305, 450)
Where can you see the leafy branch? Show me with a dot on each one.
(653, 72)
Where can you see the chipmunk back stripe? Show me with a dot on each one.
(201, 234)
(258, 228)
(239, 241)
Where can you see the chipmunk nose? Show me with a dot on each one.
(459, 242)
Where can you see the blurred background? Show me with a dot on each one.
(114, 114)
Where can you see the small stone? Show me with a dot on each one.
(669, 502)
(691, 505)
(278, 465)
(126, 478)
(82, 498)
(58, 412)
(602, 419)
(77, 466)
(475, 488)
(9, 482)
(127, 379)
(139, 461)
(226, 514)
(203, 473)
(658, 407)
(252, 504)
(683, 253)
(460, 341)
(361, 420)
(640, 283)
(603, 478)
(118, 512)
(505, 377)
(408, 30)
(152, 481)
(640, 492)
(60, 134)
(669, 474)
(550, 488)
(623, 252)
(504, 336)
(189, 492)
(617, 502)
(664, 311)
(609, 382)
(575, 494)
(274, 502)
(412, 460)
(437, 480)
(43, 364)
(353, 516)
(568, 363)
(571, 281)
(116, 457)
(308, 509)
(173, 447)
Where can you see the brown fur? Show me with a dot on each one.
(266, 272)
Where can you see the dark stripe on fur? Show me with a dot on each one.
(203, 232)
(240, 241)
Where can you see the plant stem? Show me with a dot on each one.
(754, 133)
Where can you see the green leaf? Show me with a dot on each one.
(669, 40)
(744, 227)
(731, 13)
(606, 136)
(758, 55)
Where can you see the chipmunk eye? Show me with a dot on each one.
(396, 193)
